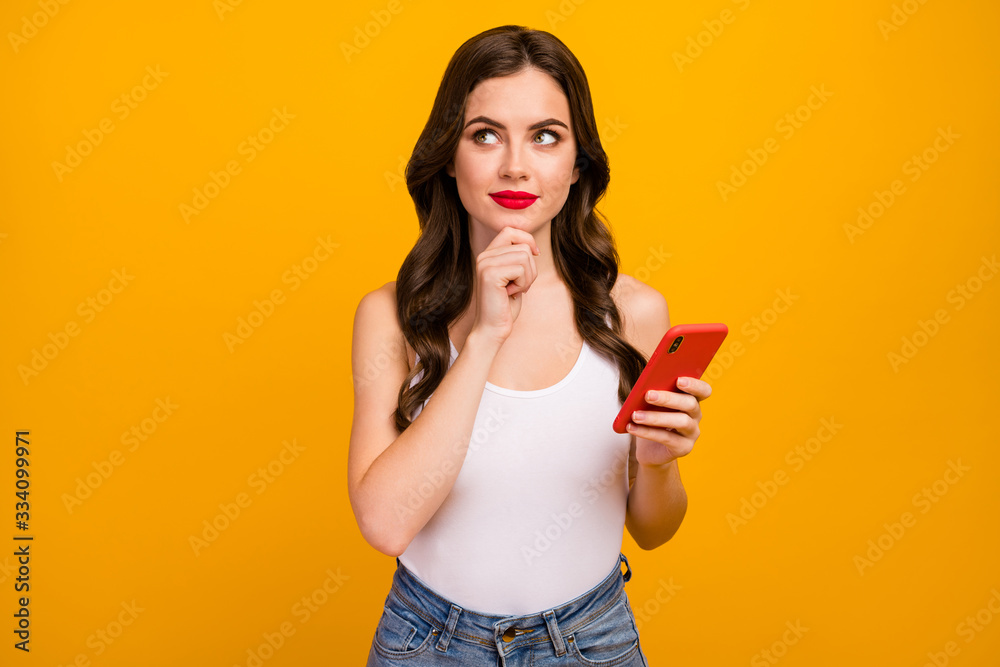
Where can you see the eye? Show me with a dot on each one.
(551, 133)
(482, 132)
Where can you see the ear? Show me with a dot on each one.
(450, 167)
(576, 175)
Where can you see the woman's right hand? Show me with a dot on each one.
(504, 271)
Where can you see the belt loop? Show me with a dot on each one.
(628, 570)
(449, 628)
(550, 621)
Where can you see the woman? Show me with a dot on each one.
(482, 454)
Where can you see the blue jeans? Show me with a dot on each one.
(419, 627)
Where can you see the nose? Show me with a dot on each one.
(513, 164)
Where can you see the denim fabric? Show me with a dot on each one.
(419, 627)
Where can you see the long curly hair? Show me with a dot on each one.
(434, 284)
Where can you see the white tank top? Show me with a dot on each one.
(536, 515)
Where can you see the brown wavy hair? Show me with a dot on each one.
(434, 284)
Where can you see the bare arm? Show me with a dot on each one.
(657, 503)
(657, 500)
(396, 482)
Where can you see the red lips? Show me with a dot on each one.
(513, 199)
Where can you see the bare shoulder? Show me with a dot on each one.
(378, 304)
(376, 328)
(645, 314)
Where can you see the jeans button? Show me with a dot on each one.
(509, 634)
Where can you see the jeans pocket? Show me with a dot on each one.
(608, 639)
(401, 633)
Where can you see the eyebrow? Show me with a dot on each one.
(536, 126)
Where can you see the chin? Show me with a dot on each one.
(528, 225)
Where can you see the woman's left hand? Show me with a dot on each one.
(662, 436)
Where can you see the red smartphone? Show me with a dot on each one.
(685, 350)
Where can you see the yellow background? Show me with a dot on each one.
(333, 173)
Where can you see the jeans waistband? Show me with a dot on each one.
(507, 633)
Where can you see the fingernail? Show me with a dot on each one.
(682, 382)
(651, 396)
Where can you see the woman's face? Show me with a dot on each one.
(517, 137)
